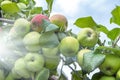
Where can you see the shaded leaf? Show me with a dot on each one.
(115, 15)
(49, 40)
(51, 27)
(114, 33)
(91, 61)
(43, 74)
(114, 50)
(85, 22)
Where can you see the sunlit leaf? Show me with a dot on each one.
(49, 4)
(103, 29)
(114, 33)
(9, 7)
(115, 15)
(85, 22)
(36, 10)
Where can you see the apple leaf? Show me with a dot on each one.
(115, 15)
(10, 8)
(102, 28)
(49, 5)
(51, 27)
(36, 10)
(43, 75)
(114, 33)
(86, 22)
(91, 61)
(115, 51)
(49, 40)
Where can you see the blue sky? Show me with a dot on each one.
(100, 10)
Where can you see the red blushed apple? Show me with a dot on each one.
(36, 22)
(59, 20)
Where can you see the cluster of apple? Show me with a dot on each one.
(37, 60)
(42, 58)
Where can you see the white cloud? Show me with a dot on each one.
(68, 6)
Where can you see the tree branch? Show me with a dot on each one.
(6, 20)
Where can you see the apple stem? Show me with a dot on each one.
(6, 20)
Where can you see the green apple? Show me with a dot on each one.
(87, 37)
(118, 75)
(81, 54)
(110, 65)
(37, 21)
(52, 62)
(20, 28)
(50, 52)
(9, 7)
(34, 62)
(59, 20)
(2, 75)
(107, 78)
(31, 41)
(20, 70)
(69, 46)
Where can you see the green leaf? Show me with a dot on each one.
(49, 5)
(51, 27)
(115, 15)
(85, 22)
(49, 40)
(76, 75)
(9, 7)
(91, 61)
(114, 33)
(36, 10)
(103, 29)
(115, 51)
(43, 75)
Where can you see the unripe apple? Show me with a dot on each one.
(34, 62)
(31, 41)
(20, 69)
(110, 65)
(50, 52)
(51, 62)
(69, 46)
(80, 56)
(107, 78)
(37, 21)
(59, 20)
(20, 28)
(87, 37)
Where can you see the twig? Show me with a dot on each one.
(6, 20)
(115, 43)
